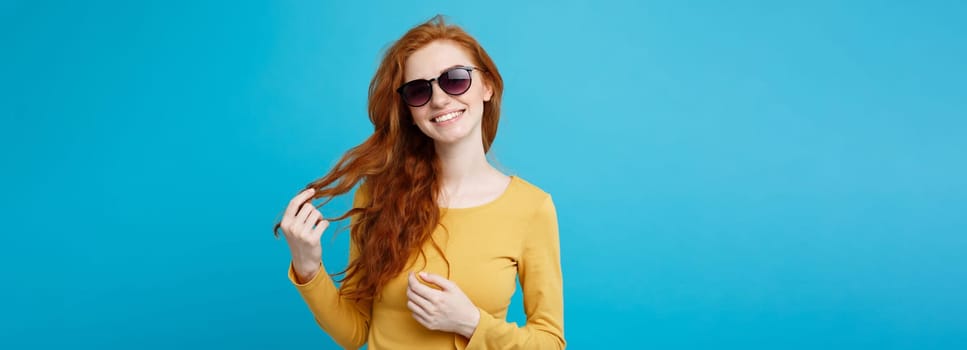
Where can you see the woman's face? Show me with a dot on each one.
(428, 63)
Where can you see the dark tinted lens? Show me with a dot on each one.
(417, 93)
(455, 81)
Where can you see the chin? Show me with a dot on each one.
(448, 140)
(451, 138)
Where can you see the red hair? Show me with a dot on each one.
(399, 166)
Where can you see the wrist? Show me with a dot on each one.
(471, 326)
(306, 272)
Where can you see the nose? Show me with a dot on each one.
(438, 98)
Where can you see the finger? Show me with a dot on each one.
(424, 303)
(320, 227)
(438, 280)
(314, 217)
(423, 319)
(297, 201)
(415, 308)
(421, 289)
(300, 219)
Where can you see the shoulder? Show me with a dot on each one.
(538, 213)
(529, 190)
(530, 196)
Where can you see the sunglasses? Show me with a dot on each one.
(455, 81)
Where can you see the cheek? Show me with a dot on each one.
(478, 101)
(417, 113)
(474, 98)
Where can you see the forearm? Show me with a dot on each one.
(495, 333)
(344, 320)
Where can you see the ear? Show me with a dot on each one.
(488, 91)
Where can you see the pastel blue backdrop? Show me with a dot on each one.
(745, 174)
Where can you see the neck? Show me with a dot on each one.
(462, 162)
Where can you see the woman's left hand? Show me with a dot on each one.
(448, 309)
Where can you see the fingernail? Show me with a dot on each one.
(422, 274)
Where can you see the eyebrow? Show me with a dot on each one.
(452, 67)
(445, 69)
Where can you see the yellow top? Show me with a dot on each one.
(488, 247)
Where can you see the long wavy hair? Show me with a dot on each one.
(399, 166)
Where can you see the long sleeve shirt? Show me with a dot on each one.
(485, 249)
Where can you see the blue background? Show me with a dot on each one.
(745, 175)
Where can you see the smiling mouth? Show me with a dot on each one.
(448, 116)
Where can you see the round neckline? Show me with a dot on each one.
(513, 179)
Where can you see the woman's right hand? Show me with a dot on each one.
(303, 225)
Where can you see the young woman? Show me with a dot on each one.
(438, 235)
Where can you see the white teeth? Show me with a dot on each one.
(446, 117)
